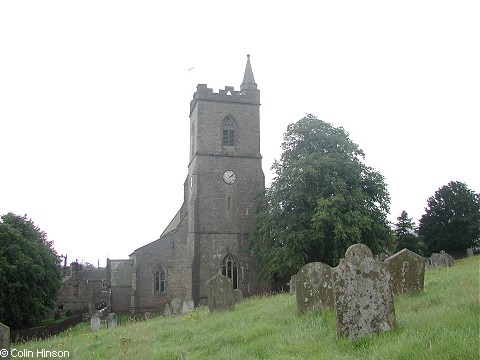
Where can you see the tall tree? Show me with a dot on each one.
(29, 272)
(405, 234)
(323, 199)
(452, 219)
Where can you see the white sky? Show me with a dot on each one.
(94, 101)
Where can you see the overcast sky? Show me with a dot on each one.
(94, 101)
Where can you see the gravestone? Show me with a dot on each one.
(167, 310)
(291, 284)
(469, 252)
(147, 315)
(111, 321)
(220, 293)
(4, 341)
(313, 287)
(95, 322)
(363, 294)
(187, 306)
(237, 295)
(441, 259)
(176, 305)
(407, 271)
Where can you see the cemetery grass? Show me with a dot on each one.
(440, 323)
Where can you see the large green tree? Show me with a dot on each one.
(406, 236)
(322, 199)
(29, 272)
(452, 219)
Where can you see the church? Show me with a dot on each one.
(208, 233)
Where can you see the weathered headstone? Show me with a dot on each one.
(441, 259)
(363, 295)
(176, 305)
(95, 322)
(407, 271)
(237, 295)
(313, 287)
(291, 284)
(167, 310)
(111, 321)
(469, 252)
(4, 341)
(220, 293)
(187, 306)
(147, 315)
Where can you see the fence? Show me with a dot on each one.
(42, 332)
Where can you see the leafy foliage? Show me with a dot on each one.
(452, 219)
(29, 272)
(405, 234)
(322, 200)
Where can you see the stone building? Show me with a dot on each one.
(82, 288)
(207, 235)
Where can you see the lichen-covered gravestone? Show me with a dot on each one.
(111, 321)
(220, 293)
(4, 341)
(442, 259)
(363, 294)
(407, 270)
(313, 287)
(95, 322)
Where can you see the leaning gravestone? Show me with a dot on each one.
(111, 321)
(220, 293)
(95, 322)
(363, 294)
(407, 270)
(237, 295)
(313, 287)
(4, 341)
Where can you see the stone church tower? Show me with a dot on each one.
(208, 234)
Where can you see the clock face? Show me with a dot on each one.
(229, 177)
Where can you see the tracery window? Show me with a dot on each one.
(160, 281)
(230, 269)
(228, 131)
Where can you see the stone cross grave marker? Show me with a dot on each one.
(95, 322)
(220, 293)
(4, 341)
(407, 270)
(111, 321)
(363, 295)
(313, 287)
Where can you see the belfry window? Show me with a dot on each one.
(228, 131)
(160, 281)
(230, 269)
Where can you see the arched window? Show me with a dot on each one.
(228, 131)
(160, 281)
(230, 269)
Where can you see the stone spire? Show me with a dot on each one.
(248, 79)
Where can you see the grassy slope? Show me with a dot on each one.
(441, 323)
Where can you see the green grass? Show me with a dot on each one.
(440, 323)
